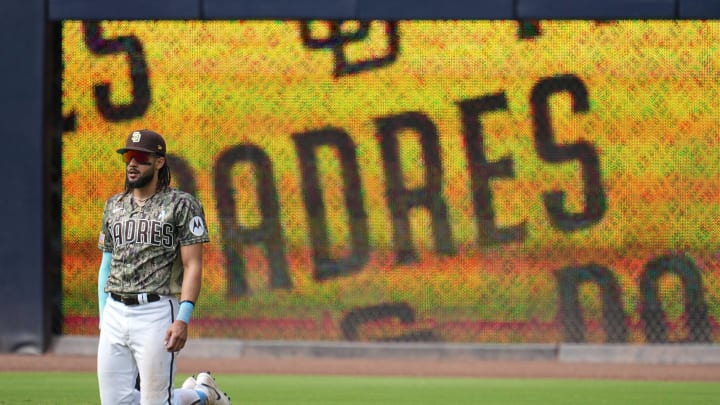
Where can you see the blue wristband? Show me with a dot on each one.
(186, 308)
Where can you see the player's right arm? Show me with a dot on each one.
(105, 245)
(103, 274)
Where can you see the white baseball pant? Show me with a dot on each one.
(132, 342)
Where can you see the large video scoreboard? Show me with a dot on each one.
(470, 181)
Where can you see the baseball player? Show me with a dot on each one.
(149, 280)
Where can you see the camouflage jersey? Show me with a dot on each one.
(145, 241)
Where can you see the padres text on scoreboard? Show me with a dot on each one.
(496, 179)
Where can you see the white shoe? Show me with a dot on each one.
(206, 383)
(189, 384)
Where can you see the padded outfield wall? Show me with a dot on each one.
(460, 181)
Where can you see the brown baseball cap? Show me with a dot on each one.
(144, 140)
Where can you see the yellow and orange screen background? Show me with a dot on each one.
(653, 119)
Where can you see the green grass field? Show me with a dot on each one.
(81, 388)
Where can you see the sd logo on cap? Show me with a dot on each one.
(145, 140)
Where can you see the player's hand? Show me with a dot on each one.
(176, 336)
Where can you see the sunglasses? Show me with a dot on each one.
(142, 158)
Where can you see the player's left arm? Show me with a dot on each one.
(191, 256)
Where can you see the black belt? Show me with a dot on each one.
(134, 299)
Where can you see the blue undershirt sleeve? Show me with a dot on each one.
(102, 280)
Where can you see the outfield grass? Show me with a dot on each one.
(81, 388)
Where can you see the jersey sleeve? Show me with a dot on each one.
(191, 224)
(105, 242)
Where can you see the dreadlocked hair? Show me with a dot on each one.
(164, 177)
